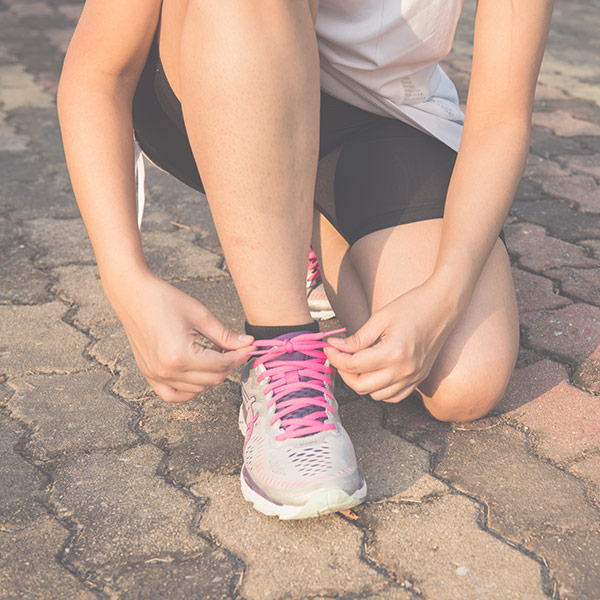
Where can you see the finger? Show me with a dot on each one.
(368, 383)
(210, 327)
(392, 395)
(363, 361)
(213, 361)
(368, 334)
(170, 394)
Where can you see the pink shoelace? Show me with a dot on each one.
(285, 379)
(313, 268)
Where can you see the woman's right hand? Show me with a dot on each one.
(162, 324)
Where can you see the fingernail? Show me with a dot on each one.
(338, 340)
(245, 338)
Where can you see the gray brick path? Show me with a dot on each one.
(107, 492)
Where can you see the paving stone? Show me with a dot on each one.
(410, 420)
(524, 495)
(188, 208)
(41, 127)
(585, 163)
(565, 422)
(561, 221)
(545, 143)
(220, 297)
(112, 350)
(175, 256)
(158, 219)
(593, 246)
(71, 413)
(81, 286)
(390, 464)
(20, 482)
(572, 332)
(20, 167)
(531, 382)
(285, 559)
(535, 293)
(539, 252)
(201, 435)
(563, 123)
(548, 92)
(29, 9)
(38, 199)
(581, 284)
(527, 356)
(441, 549)
(589, 470)
(59, 37)
(10, 140)
(211, 575)
(19, 89)
(122, 509)
(20, 281)
(60, 241)
(71, 11)
(555, 181)
(28, 566)
(31, 336)
(574, 562)
(587, 375)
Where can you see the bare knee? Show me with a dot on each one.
(464, 398)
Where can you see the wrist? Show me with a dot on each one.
(455, 286)
(123, 281)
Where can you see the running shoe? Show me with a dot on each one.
(318, 304)
(298, 459)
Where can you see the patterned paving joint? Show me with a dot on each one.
(106, 492)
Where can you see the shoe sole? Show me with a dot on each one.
(322, 315)
(320, 503)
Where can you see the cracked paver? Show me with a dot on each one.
(31, 335)
(21, 482)
(28, 566)
(270, 547)
(107, 492)
(122, 508)
(444, 552)
(71, 412)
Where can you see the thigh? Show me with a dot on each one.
(475, 364)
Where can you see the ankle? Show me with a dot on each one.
(267, 332)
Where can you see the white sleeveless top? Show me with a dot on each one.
(382, 56)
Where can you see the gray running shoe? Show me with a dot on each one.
(318, 303)
(298, 459)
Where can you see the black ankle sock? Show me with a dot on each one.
(267, 332)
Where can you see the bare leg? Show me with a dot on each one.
(248, 77)
(474, 366)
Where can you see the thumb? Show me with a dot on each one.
(366, 336)
(210, 327)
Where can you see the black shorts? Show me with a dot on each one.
(384, 172)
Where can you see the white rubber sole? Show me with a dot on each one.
(322, 315)
(320, 503)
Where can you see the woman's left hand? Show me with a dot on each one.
(396, 348)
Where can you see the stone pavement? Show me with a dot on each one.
(107, 492)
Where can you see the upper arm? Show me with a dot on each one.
(510, 37)
(112, 39)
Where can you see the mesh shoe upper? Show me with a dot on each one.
(295, 443)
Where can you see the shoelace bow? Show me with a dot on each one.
(285, 378)
(313, 269)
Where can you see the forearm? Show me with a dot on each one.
(488, 169)
(96, 125)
